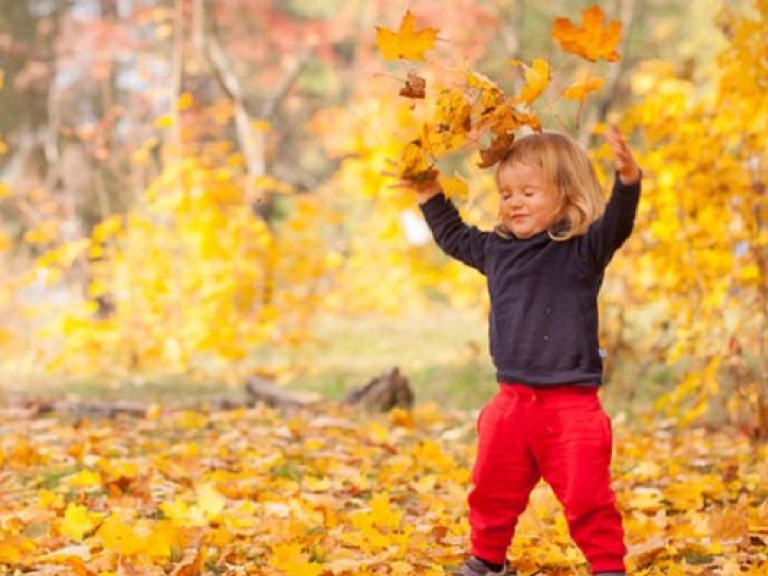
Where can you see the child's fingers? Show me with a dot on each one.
(620, 148)
(616, 141)
(624, 161)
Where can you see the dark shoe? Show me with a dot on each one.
(476, 567)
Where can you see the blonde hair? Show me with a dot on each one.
(566, 164)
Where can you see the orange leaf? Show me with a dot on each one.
(506, 119)
(407, 43)
(580, 90)
(14, 549)
(593, 39)
(496, 151)
(191, 564)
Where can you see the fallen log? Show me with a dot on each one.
(383, 393)
(388, 390)
(91, 408)
(262, 390)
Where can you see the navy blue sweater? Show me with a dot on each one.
(543, 319)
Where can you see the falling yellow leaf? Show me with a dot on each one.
(537, 77)
(407, 43)
(580, 90)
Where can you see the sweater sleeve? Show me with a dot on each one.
(457, 239)
(610, 231)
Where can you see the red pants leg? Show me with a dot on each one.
(573, 450)
(503, 476)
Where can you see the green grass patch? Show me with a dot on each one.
(443, 352)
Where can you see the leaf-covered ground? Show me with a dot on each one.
(339, 493)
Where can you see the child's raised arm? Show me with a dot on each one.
(629, 171)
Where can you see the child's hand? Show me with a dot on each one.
(629, 171)
(424, 190)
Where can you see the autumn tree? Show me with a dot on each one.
(700, 248)
(158, 175)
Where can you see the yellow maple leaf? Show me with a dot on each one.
(48, 499)
(449, 125)
(293, 561)
(183, 514)
(407, 43)
(489, 94)
(285, 553)
(537, 77)
(78, 521)
(118, 536)
(593, 40)
(382, 513)
(210, 500)
(580, 90)
(414, 163)
(163, 538)
(14, 549)
(85, 479)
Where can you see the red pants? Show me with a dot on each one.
(563, 435)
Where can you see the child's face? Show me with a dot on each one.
(529, 200)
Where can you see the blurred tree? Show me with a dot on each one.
(111, 104)
(700, 272)
(86, 79)
(29, 32)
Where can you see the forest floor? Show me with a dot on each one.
(339, 492)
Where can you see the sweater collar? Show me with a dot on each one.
(559, 228)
